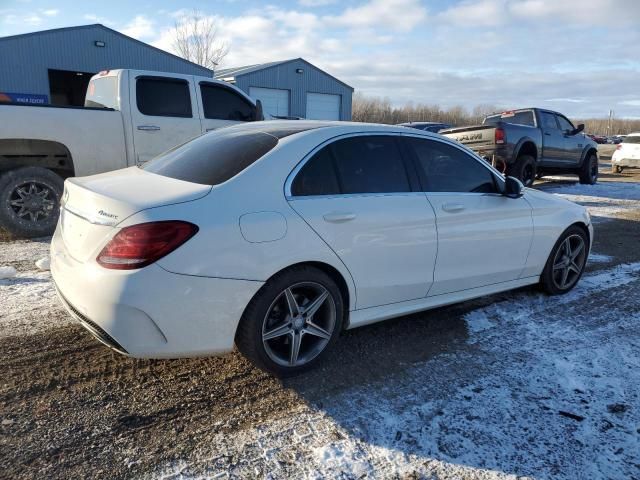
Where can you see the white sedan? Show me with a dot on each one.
(278, 235)
(627, 154)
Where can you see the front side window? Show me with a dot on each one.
(224, 104)
(445, 168)
(548, 121)
(565, 125)
(163, 97)
(635, 139)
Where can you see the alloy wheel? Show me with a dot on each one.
(32, 201)
(299, 324)
(569, 261)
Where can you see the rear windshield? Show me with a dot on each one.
(213, 158)
(634, 139)
(519, 118)
(102, 93)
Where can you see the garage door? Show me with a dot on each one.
(322, 106)
(274, 101)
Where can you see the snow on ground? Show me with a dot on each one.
(599, 258)
(604, 199)
(544, 387)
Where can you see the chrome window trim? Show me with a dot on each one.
(290, 178)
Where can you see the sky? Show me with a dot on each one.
(581, 57)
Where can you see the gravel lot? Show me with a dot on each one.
(509, 386)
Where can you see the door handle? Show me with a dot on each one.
(212, 129)
(148, 128)
(547, 134)
(339, 217)
(452, 207)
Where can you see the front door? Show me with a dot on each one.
(573, 144)
(356, 194)
(483, 236)
(164, 114)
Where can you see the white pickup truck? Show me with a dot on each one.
(129, 117)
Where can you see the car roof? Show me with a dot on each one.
(285, 128)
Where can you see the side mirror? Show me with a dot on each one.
(513, 187)
(578, 129)
(259, 115)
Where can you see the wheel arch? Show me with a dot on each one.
(334, 274)
(29, 152)
(588, 151)
(526, 146)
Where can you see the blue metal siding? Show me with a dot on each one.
(284, 76)
(25, 59)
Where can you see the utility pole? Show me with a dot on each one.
(610, 124)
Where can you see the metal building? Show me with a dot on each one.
(54, 66)
(293, 88)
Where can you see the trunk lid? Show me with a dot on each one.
(477, 136)
(93, 206)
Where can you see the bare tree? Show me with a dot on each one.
(196, 39)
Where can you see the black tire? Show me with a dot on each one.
(524, 170)
(551, 278)
(616, 169)
(588, 172)
(30, 201)
(257, 315)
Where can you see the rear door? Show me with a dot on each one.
(164, 113)
(357, 194)
(223, 106)
(553, 139)
(483, 236)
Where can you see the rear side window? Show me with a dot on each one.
(224, 104)
(317, 176)
(370, 164)
(163, 97)
(632, 139)
(445, 168)
(102, 92)
(213, 158)
(519, 118)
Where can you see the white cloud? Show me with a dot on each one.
(140, 27)
(51, 12)
(401, 15)
(316, 3)
(477, 13)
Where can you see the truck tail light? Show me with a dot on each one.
(140, 245)
(500, 136)
(619, 146)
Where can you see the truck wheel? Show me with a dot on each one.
(30, 201)
(524, 170)
(588, 172)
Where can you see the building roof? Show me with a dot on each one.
(230, 74)
(100, 26)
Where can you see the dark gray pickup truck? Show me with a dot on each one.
(531, 142)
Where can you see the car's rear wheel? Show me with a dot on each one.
(589, 170)
(292, 321)
(524, 170)
(567, 261)
(616, 169)
(30, 201)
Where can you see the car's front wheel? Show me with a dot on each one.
(292, 321)
(589, 170)
(566, 262)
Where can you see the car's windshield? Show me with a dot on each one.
(213, 158)
(524, 117)
(632, 139)
(102, 92)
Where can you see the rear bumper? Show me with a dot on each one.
(151, 313)
(626, 162)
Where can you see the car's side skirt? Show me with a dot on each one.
(358, 318)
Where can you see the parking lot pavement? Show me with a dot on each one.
(513, 385)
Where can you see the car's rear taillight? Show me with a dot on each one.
(140, 245)
(500, 136)
(619, 147)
